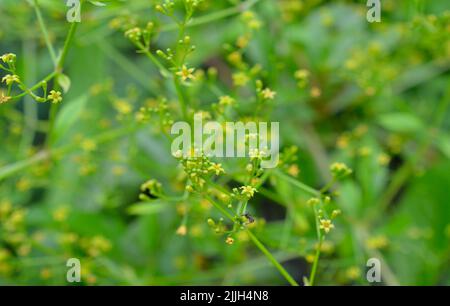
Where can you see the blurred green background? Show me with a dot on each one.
(374, 95)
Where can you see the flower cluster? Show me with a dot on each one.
(340, 170)
(198, 168)
(12, 78)
(150, 189)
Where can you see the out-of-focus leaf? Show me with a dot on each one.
(147, 208)
(400, 122)
(443, 143)
(68, 116)
(419, 244)
(64, 82)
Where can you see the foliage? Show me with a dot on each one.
(86, 170)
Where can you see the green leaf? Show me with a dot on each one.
(97, 3)
(64, 81)
(443, 143)
(400, 122)
(147, 208)
(68, 116)
(417, 230)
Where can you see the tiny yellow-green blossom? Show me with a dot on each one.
(178, 154)
(340, 170)
(9, 79)
(293, 170)
(55, 96)
(3, 98)
(335, 213)
(123, 107)
(301, 74)
(377, 242)
(60, 214)
(8, 58)
(268, 94)
(240, 79)
(256, 154)
(88, 145)
(326, 225)
(248, 191)
(216, 168)
(383, 159)
(182, 230)
(226, 100)
(186, 73)
(229, 240)
(153, 186)
(313, 201)
(133, 34)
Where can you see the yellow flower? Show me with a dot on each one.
(248, 191)
(268, 94)
(23, 184)
(229, 240)
(186, 73)
(364, 151)
(315, 92)
(310, 258)
(46, 273)
(4, 254)
(335, 213)
(5, 208)
(377, 242)
(8, 58)
(217, 168)
(9, 79)
(383, 159)
(226, 100)
(293, 170)
(301, 74)
(122, 107)
(242, 41)
(313, 201)
(55, 96)
(353, 273)
(340, 170)
(17, 217)
(240, 79)
(3, 98)
(133, 34)
(88, 145)
(235, 58)
(60, 214)
(182, 230)
(326, 225)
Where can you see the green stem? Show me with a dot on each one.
(214, 16)
(43, 27)
(315, 263)
(35, 86)
(298, 184)
(11, 169)
(272, 259)
(219, 207)
(163, 70)
(320, 238)
(181, 97)
(67, 43)
(58, 69)
(258, 243)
